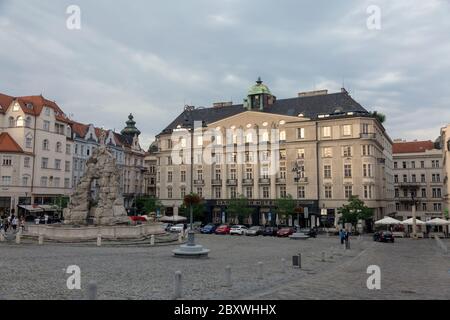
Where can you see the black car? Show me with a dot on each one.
(270, 231)
(312, 233)
(383, 236)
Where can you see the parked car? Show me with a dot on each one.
(383, 236)
(307, 231)
(223, 229)
(177, 228)
(285, 232)
(255, 231)
(208, 229)
(270, 231)
(238, 229)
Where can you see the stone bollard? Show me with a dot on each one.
(283, 265)
(228, 276)
(41, 239)
(2, 236)
(180, 237)
(99, 240)
(259, 270)
(323, 256)
(18, 238)
(152, 240)
(92, 291)
(177, 289)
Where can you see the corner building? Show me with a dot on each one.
(320, 148)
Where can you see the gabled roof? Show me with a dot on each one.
(8, 144)
(412, 147)
(310, 106)
(80, 129)
(33, 105)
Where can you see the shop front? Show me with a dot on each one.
(5, 206)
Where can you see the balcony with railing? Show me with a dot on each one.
(280, 181)
(199, 182)
(216, 182)
(247, 182)
(368, 135)
(264, 181)
(232, 182)
(301, 179)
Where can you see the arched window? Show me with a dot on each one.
(68, 131)
(19, 121)
(45, 145)
(28, 122)
(25, 180)
(12, 122)
(58, 147)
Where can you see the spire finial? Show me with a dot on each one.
(259, 81)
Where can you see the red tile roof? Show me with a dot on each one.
(412, 147)
(33, 105)
(80, 129)
(7, 144)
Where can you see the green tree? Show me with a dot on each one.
(355, 210)
(380, 116)
(148, 204)
(239, 207)
(198, 206)
(285, 206)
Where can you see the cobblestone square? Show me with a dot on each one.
(409, 270)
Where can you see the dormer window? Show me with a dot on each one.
(16, 107)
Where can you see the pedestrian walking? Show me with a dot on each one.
(22, 223)
(5, 223)
(46, 218)
(342, 235)
(14, 223)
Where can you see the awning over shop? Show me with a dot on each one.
(31, 208)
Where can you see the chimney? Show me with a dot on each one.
(313, 93)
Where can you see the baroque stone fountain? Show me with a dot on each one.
(109, 209)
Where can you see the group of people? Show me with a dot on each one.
(12, 222)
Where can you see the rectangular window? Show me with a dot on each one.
(326, 132)
(422, 164)
(396, 178)
(327, 152)
(347, 130)
(46, 126)
(233, 174)
(199, 174)
(233, 193)
(413, 178)
(328, 192)
(218, 174)
(395, 165)
(348, 191)
(283, 192)
(183, 192)
(67, 183)
(218, 192)
(169, 176)
(422, 178)
(368, 192)
(413, 164)
(327, 172)
(301, 133)
(301, 153)
(183, 176)
(282, 173)
(347, 151)
(397, 193)
(68, 148)
(6, 180)
(405, 178)
(169, 192)
(424, 193)
(200, 192)
(58, 164)
(56, 183)
(24, 181)
(347, 171)
(26, 162)
(249, 192)
(266, 193)
(249, 173)
(404, 166)
(301, 192)
(424, 207)
(44, 163)
(67, 166)
(7, 161)
(43, 181)
(365, 128)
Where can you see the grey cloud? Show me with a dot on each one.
(152, 57)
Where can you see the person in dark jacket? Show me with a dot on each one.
(342, 235)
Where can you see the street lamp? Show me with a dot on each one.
(414, 225)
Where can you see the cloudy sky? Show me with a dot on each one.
(153, 57)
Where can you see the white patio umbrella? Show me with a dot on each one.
(409, 222)
(438, 222)
(387, 221)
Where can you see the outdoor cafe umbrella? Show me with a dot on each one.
(172, 219)
(409, 222)
(438, 222)
(387, 221)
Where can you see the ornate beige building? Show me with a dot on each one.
(320, 148)
(419, 177)
(445, 143)
(35, 151)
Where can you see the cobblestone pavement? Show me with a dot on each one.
(410, 269)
